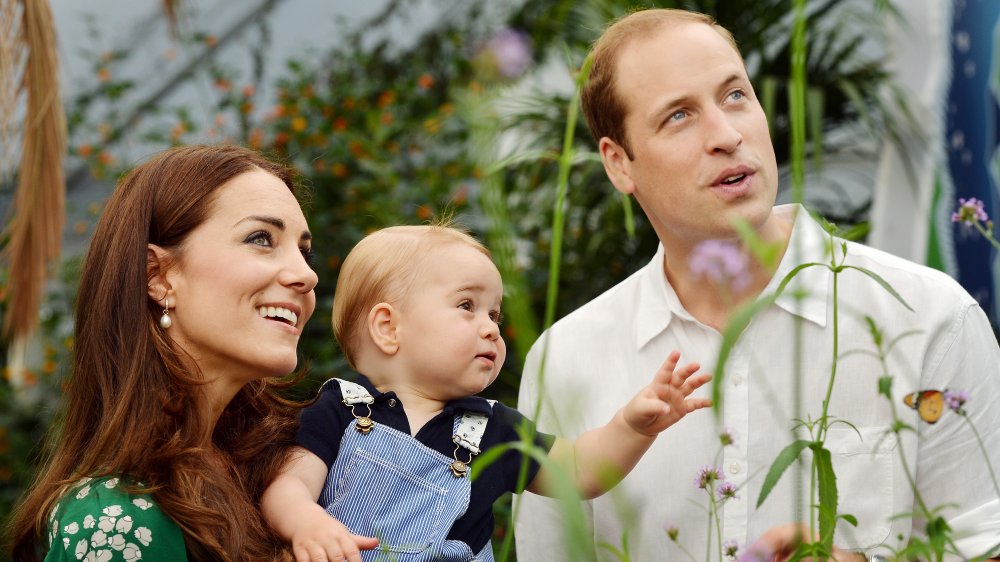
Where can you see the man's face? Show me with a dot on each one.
(702, 154)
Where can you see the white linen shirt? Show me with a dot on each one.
(600, 355)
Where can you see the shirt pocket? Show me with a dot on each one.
(865, 469)
(377, 498)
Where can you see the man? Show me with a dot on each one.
(680, 128)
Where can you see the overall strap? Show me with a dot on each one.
(468, 432)
(353, 394)
(469, 429)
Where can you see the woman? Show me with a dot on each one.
(191, 301)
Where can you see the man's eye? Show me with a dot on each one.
(677, 116)
(737, 95)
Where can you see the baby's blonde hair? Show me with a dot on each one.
(381, 268)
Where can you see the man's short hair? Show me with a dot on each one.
(602, 106)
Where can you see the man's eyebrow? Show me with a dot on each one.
(275, 222)
(661, 112)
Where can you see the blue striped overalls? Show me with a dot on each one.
(386, 484)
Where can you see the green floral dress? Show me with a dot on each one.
(98, 521)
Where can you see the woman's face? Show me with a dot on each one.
(241, 286)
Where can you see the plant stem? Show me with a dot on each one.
(987, 234)
(986, 455)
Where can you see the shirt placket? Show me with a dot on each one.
(736, 400)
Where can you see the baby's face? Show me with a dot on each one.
(448, 326)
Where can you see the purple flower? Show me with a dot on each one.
(706, 475)
(726, 491)
(730, 548)
(722, 262)
(955, 399)
(672, 531)
(511, 52)
(970, 211)
(727, 437)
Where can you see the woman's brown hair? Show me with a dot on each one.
(131, 406)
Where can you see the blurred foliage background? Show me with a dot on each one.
(384, 135)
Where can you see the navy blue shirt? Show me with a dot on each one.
(323, 423)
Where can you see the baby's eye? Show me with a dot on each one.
(259, 238)
(496, 316)
(465, 305)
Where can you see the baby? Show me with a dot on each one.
(389, 458)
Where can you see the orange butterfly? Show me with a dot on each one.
(928, 403)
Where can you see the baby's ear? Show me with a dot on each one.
(157, 260)
(382, 328)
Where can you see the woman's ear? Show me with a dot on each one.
(382, 328)
(157, 260)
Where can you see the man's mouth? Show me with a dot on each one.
(733, 179)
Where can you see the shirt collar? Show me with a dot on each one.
(658, 303)
(470, 403)
(809, 243)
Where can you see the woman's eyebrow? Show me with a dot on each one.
(275, 222)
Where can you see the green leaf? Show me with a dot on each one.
(885, 386)
(885, 284)
(827, 483)
(849, 518)
(784, 459)
(874, 331)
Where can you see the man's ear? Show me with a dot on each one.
(382, 328)
(617, 165)
(157, 261)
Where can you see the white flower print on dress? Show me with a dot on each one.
(110, 483)
(106, 523)
(142, 503)
(66, 543)
(117, 542)
(113, 510)
(72, 528)
(144, 535)
(81, 549)
(83, 492)
(132, 552)
(124, 524)
(98, 556)
(89, 522)
(99, 538)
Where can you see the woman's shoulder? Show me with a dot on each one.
(110, 520)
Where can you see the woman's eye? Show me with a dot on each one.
(259, 238)
(308, 255)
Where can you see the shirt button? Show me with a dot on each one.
(392, 402)
(737, 380)
(734, 468)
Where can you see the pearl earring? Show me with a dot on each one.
(165, 320)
